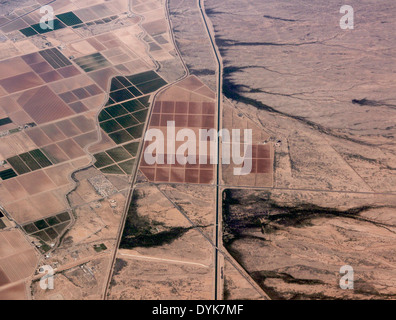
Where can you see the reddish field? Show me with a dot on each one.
(45, 110)
(195, 114)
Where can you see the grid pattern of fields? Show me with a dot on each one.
(37, 29)
(119, 160)
(124, 117)
(17, 258)
(29, 161)
(197, 113)
(48, 229)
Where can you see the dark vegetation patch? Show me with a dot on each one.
(7, 174)
(261, 276)
(366, 102)
(372, 103)
(69, 18)
(280, 19)
(226, 43)
(226, 290)
(212, 12)
(119, 265)
(5, 121)
(264, 213)
(140, 231)
(287, 278)
(100, 247)
(201, 72)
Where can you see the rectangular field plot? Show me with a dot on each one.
(40, 157)
(121, 136)
(133, 105)
(127, 166)
(151, 86)
(194, 112)
(92, 62)
(28, 32)
(42, 111)
(118, 154)
(5, 121)
(130, 116)
(56, 23)
(69, 18)
(132, 148)
(7, 174)
(112, 170)
(136, 131)
(21, 82)
(102, 160)
(55, 58)
(48, 229)
(143, 77)
(18, 260)
(147, 82)
(121, 95)
(141, 115)
(110, 126)
(63, 217)
(127, 121)
(196, 174)
(29, 161)
(19, 166)
(119, 160)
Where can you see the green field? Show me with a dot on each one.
(7, 174)
(102, 160)
(127, 166)
(133, 105)
(41, 159)
(64, 216)
(143, 77)
(118, 154)
(29, 160)
(110, 126)
(132, 148)
(127, 121)
(116, 111)
(120, 137)
(69, 18)
(112, 170)
(19, 166)
(136, 131)
(57, 25)
(28, 32)
(151, 86)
